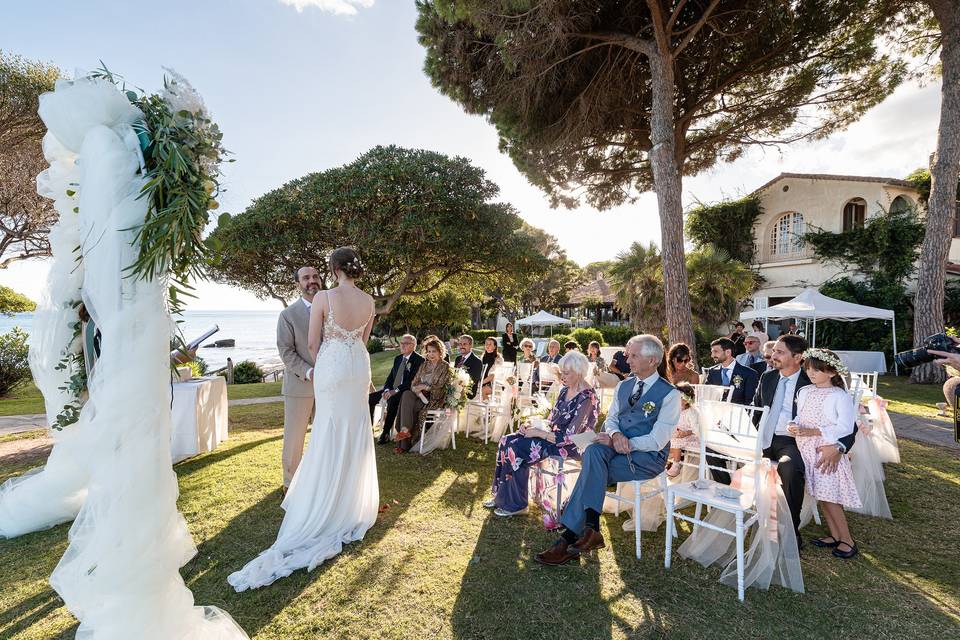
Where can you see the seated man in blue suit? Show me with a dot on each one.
(730, 373)
(633, 446)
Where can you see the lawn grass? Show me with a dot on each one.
(438, 565)
(23, 400)
(915, 399)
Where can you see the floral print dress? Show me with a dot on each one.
(516, 452)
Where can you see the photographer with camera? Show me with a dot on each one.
(943, 350)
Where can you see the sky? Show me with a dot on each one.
(300, 86)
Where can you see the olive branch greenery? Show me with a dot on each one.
(182, 152)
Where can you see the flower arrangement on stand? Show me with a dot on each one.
(457, 385)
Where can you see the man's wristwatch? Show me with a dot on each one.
(842, 449)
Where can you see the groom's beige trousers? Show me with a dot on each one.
(297, 415)
(292, 327)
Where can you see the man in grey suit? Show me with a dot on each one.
(292, 328)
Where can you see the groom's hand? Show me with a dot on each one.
(604, 439)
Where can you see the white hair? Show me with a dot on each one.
(576, 362)
(527, 341)
(410, 337)
(649, 345)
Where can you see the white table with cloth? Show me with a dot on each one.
(199, 416)
(863, 361)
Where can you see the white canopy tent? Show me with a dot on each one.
(542, 319)
(812, 305)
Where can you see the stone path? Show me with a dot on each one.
(932, 431)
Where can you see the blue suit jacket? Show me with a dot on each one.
(748, 387)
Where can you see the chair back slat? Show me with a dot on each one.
(729, 430)
(865, 382)
(713, 392)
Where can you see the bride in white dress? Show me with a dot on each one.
(333, 498)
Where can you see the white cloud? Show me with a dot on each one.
(338, 7)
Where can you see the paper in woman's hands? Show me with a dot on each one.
(422, 397)
(583, 440)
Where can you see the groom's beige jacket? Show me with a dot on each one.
(292, 328)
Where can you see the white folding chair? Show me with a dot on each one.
(436, 415)
(865, 381)
(558, 468)
(548, 377)
(713, 392)
(639, 495)
(728, 429)
(494, 407)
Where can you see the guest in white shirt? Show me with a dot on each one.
(633, 446)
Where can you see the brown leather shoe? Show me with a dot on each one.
(560, 553)
(589, 541)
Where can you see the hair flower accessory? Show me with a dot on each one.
(825, 356)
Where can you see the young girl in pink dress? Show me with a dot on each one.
(825, 413)
(685, 433)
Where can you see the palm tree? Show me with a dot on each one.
(718, 286)
(637, 280)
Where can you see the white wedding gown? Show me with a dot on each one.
(334, 497)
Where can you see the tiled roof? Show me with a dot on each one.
(595, 289)
(826, 176)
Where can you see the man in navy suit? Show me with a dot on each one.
(730, 373)
(401, 375)
(466, 359)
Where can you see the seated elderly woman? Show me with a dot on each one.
(575, 411)
(427, 391)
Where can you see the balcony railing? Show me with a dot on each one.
(801, 254)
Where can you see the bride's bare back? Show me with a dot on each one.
(350, 308)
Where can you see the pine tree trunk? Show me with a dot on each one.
(669, 187)
(942, 206)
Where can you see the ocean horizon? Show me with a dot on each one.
(254, 331)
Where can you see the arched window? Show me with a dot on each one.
(854, 214)
(786, 235)
(900, 205)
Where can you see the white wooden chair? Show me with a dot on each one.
(548, 377)
(866, 382)
(728, 429)
(435, 416)
(639, 495)
(494, 407)
(558, 468)
(714, 392)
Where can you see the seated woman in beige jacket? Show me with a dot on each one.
(430, 384)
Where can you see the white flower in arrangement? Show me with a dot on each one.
(737, 381)
(457, 387)
(648, 408)
(180, 94)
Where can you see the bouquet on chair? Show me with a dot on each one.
(457, 385)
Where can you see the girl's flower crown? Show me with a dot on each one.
(825, 356)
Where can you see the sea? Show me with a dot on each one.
(255, 333)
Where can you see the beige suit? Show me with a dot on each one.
(292, 328)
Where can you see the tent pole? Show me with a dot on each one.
(896, 370)
(814, 330)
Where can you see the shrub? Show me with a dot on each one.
(563, 338)
(374, 345)
(479, 335)
(14, 368)
(616, 336)
(247, 372)
(585, 336)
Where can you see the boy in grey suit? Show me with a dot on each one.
(292, 328)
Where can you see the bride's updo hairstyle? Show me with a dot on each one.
(346, 260)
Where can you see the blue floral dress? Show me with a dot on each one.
(516, 452)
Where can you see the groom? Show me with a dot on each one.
(292, 328)
(634, 446)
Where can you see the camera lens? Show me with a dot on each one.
(913, 358)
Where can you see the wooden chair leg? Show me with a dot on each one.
(668, 501)
(637, 501)
(740, 555)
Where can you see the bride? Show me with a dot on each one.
(333, 497)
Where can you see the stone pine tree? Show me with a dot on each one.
(923, 28)
(601, 100)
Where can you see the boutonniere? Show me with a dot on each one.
(737, 381)
(408, 365)
(648, 408)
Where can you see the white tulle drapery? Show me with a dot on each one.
(885, 438)
(120, 573)
(772, 556)
(52, 494)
